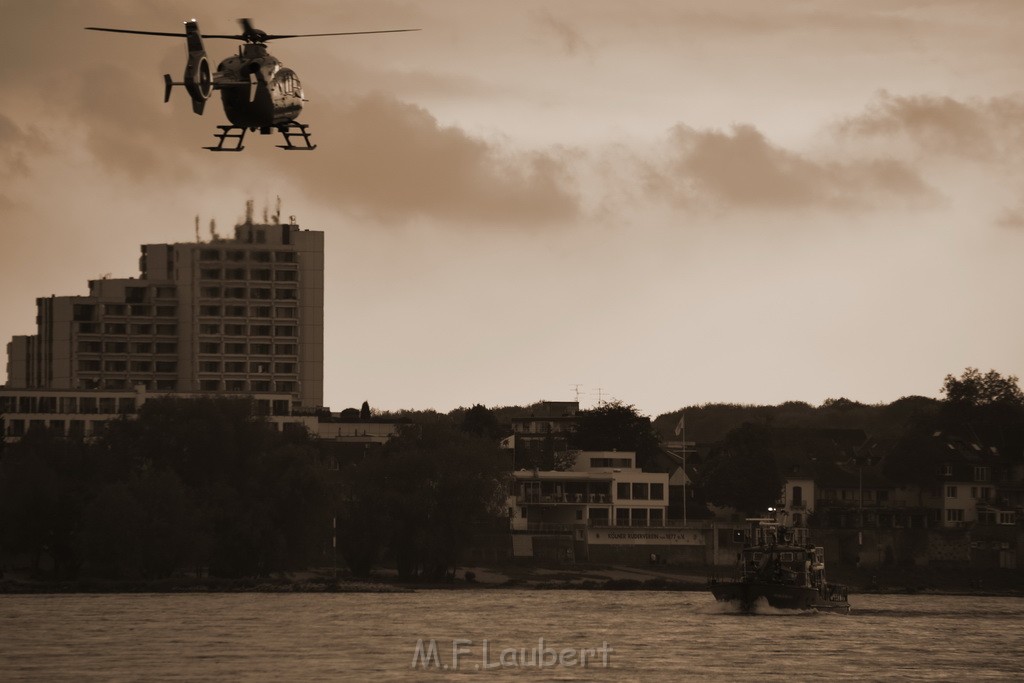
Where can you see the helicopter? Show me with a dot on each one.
(258, 92)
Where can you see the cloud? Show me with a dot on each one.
(743, 169)
(571, 41)
(978, 130)
(394, 161)
(1012, 219)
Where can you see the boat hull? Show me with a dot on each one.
(747, 594)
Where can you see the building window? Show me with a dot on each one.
(286, 257)
(114, 309)
(287, 312)
(234, 366)
(260, 385)
(1009, 517)
(166, 347)
(234, 255)
(638, 517)
(142, 347)
(259, 349)
(209, 310)
(640, 491)
(209, 347)
(166, 366)
(284, 368)
(209, 255)
(985, 492)
(259, 331)
(209, 366)
(622, 490)
(209, 274)
(234, 330)
(284, 331)
(261, 311)
(235, 385)
(950, 492)
(261, 274)
(260, 293)
(285, 349)
(234, 348)
(115, 328)
(622, 517)
(286, 294)
(234, 292)
(209, 328)
(954, 515)
(234, 274)
(209, 292)
(261, 256)
(234, 311)
(981, 474)
(286, 275)
(656, 517)
(166, 311)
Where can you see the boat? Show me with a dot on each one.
(780, 567)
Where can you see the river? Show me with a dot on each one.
(501, 635)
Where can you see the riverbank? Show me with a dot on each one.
(878, 580)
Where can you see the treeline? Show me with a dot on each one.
(201, 487)
(191, 486)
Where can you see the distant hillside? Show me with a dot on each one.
(711, 422)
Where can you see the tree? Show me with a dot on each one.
(480, 421)
(741, 473)
(987, 406)
(616, 427)
(423, 494)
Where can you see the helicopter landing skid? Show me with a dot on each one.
(226, 134)
(287, 131)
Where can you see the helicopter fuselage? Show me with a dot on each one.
(257, 91)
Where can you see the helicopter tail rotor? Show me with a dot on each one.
(198, 81)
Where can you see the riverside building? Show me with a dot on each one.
(241, 316)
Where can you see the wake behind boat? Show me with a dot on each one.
(781, 566)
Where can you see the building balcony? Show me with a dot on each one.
(565, 498)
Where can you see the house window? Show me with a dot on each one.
(657, 518)
(640, 492)
(950, 492)
(981, 474)
(622, 490)
(1007, 517)
(985, 492)
(954, 515)
(622, 517)
(638, 517)
(657, 492)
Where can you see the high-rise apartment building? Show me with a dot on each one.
(228, 316)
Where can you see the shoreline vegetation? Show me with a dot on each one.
(923, 581)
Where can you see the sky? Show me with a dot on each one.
(663, 203)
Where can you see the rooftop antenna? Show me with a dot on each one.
(248, 212)
(277, 210)
(266, 214)
(197, 229)
(576, 390)
(213, 230)
(600, 397)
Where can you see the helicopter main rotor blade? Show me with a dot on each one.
(345, 33)
(141, 33)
